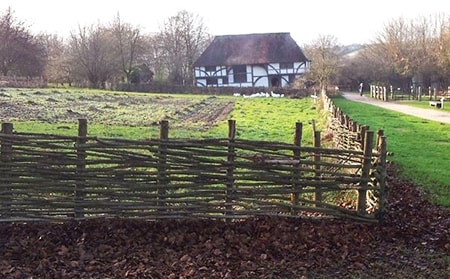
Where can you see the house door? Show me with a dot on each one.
(275, 82)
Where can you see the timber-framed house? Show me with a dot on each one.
(251, 60)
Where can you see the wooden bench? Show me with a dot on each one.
(438, 104)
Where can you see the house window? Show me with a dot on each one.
(240, 73)
(225, 80)
(211, 81)
(286, 65)
(210, 68)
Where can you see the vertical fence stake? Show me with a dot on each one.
(81, 167)
(162, 165)
(5, 158)
(296, 171)
(347, 121)
(354, 126)
(380, 134)
(317, 192)
(365, 172)
(362, 134)
(382, 149)
(230, 170)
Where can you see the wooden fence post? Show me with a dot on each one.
(365, 172)
(354, 126)
(318, 192)
(296, 172)
(347, 121)
(81, 167)
(313, 123)
(6, 157)
(382, 172)
(230, 170)
(162, 165)
(342, 118)
(362, 135)
(380, 134)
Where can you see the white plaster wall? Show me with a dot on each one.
(302, 69)
(262, 82)
(201, 81)
(259, 71)
(273, 68)
(284, 83)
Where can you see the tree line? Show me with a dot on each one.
(101, 54)
(404, 53)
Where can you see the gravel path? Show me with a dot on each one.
(433, 114)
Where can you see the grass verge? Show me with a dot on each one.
(426, 104)
(420, 147)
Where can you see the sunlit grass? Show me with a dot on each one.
(272, 119)
(421, 147)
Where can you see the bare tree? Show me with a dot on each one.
(129, 46)
(183, 38)
(155, 57)
(353, 68)
(92, 55)
(57, 67)
(325, 59)
(21, 53)
(407, 49)
(442, 50)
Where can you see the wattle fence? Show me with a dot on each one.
(54, 177)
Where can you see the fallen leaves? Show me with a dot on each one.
(412, 241)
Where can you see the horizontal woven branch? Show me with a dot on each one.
(49, 177)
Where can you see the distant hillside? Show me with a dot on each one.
(351, 50)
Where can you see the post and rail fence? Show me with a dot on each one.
(389, 93)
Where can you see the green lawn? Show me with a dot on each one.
(421, 148)
(272, 119)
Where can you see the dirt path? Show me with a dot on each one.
(430, 114)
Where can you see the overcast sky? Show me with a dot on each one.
(350, 21)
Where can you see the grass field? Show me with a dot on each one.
(136, 115)
(421, 147)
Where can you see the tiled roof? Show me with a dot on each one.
(251, 49)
